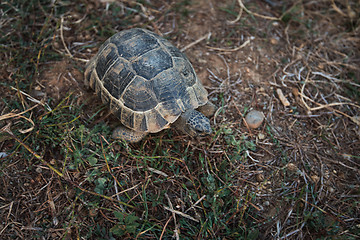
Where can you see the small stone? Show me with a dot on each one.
(136, 18)
(189, 184)
(321, 66)
(315, 178)
(352, 14)
(260, 177)
(261, 136)
(254, 119)
(37, 94)
(56, 45)
(261, 89)
(55, 221)
(291, 167)
(71, 193)
(274, 41)
(266, 203)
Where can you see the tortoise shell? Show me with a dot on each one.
(147, 82)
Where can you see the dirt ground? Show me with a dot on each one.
(295, 177)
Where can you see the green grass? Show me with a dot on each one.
(64, 140)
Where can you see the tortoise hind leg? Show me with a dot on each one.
(127, 134)
(208, 109)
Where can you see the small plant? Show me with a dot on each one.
(127, 224)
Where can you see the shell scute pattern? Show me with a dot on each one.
(147, 82)
(108, 57)
(119, 79)
(127, 117)
(132, 44)
(140, 95)
(155, 120)
(152, 63)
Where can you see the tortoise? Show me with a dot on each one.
(149, 84)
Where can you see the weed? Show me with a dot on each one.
(126, 224)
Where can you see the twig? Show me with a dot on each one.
(196, 203)
(62, 37)
(126, 190)
(237, 17)
(282, 98)
(14, 115)
(31, 151)
(231, 49)
(206, 36)
(163, 231)
(33, 99)
(248, 154)
(328, 106)
(242, 7)
(63, 42)
(338, 10)
(171, 209)
(157, 171)
(181, 214)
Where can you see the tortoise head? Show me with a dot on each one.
(194, 123)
